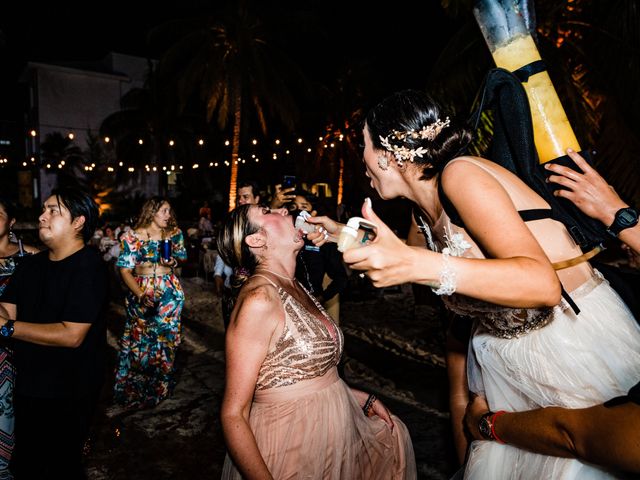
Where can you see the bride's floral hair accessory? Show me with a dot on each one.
(402, 153)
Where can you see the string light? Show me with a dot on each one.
(201, 141)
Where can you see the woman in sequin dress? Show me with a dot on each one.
(286, 413)
(496, 256)
(10, 252)
(144, 374)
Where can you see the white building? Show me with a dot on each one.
(74, 99)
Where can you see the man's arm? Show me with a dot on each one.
(606, 436)
(591, 193)
(61, 334)
(8, 311)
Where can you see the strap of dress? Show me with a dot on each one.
(528, 215)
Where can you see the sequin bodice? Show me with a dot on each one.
(307, 348)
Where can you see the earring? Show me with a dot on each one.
(383, 162)
(12, 236)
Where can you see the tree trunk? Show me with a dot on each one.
(233, 181)
(340, 181)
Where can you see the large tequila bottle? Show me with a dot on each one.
(512, 47)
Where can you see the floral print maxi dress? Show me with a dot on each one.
(144, 374)
(7, 380)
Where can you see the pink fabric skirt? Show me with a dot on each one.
(315, 429)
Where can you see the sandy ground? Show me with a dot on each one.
(393, 348)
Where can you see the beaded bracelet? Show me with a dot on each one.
(369, 404)
(447, 276)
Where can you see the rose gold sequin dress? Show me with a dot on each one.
(306, 422)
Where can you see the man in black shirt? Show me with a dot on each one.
(52, 310)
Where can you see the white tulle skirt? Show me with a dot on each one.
(575, 361)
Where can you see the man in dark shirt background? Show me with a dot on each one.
(52, 310)
(314, 262)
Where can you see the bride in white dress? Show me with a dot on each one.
(492, 258)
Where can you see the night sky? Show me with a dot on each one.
(400, 39)
(395, 44)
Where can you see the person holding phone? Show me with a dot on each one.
(284, 192)
(144, 374)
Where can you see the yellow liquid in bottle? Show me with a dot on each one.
(552, 132)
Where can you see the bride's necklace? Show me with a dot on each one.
(278, 274)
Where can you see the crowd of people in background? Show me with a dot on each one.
(556, 337)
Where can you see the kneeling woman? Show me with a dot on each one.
(286, 413)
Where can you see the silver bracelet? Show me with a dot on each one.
(447, 276)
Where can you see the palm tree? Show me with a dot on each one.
(228, 64)
(148, 132)
(338, 154)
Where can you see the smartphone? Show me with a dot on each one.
(289, 181)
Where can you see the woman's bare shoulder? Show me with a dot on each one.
(258, 300)
(466, 168)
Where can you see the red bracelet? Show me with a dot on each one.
(493, 426)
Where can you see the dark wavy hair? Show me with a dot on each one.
(413, 110)
(79, 203)
(9, 208)
(231, 245)
(148, 211)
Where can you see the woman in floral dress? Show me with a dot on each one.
(144, 375)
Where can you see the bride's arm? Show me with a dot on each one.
(517, 273)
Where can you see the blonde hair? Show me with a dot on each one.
(231, 245)
(149, 210)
